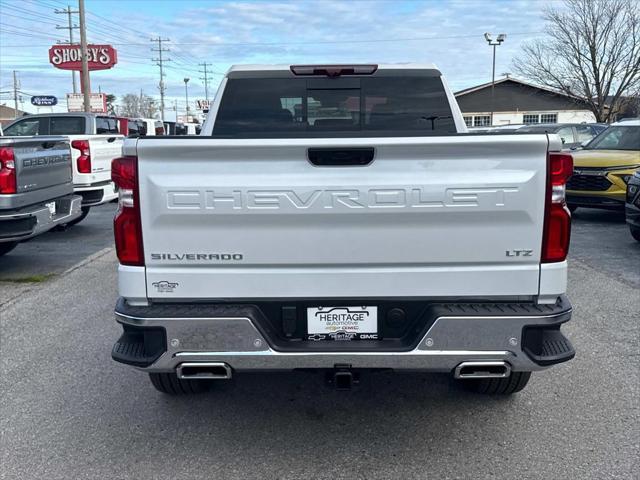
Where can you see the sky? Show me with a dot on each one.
(448, 33)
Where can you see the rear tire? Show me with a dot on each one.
(498, 386)
(6, 247)
(635, 233)
(170, 384)
(75, 221)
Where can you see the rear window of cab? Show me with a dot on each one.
(333, 107)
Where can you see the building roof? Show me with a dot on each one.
(515, 95)
(7, 112)
(513, 80)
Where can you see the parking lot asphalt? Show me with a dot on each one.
(57, 250)
(601, 238)
(68, 411)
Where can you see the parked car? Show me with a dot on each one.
(604, 166)
(36, 189)
(632, 208)
(95, 141)
(230, 243)
(573, 135)
(175, 128)
(152, 127)
(192, 128)
(129, 127)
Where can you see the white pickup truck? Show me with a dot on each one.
(341, 218)
(95, 141)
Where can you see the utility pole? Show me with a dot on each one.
(186, 97)
(494, 43)
(84, 79)
(71, 28)
(205, 79)
(15, 95)
(160, 61)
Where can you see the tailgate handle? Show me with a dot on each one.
(341, 157)
(48, 144)
(111, 139)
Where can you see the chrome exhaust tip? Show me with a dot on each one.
(494, 369)
(204, 371)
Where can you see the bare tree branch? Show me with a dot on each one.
(591, 51)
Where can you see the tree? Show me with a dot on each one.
(111, 100)
(591, 51)
(132, 105)
(148, 107)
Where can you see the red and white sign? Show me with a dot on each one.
(202, 104)
(69, 57)
(98, 101)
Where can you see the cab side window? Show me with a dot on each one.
(585, 133)
(106, 125)
(566, 135)
(25, 127)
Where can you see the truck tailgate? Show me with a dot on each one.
(43, 169)
(429, 216)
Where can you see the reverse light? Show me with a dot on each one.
(557, 219)
(127, 227)
(8, 183)
(84, 160)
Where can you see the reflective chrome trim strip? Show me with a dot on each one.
(415, 352)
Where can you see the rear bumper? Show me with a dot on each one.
(160, 338)
(597, 200)
(96, 194)
(31, 221)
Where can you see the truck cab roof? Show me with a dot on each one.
(281, 70)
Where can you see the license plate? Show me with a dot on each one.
(52, 208)
(342, 323)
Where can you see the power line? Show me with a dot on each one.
(316, 42)
(30, 13)
(160, 62)
(22, 17)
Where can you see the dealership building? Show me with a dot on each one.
(517, 102)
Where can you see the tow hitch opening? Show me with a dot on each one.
(342, 378)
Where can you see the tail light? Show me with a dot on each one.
(8, 183)
(84, 160)
(126, 224)
(557, 219)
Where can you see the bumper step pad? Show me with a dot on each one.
(547, 346)
(139, 347)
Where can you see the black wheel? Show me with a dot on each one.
(499, 386)
(6, 247)
(170, 384)
(572, 208)
(635, 233)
